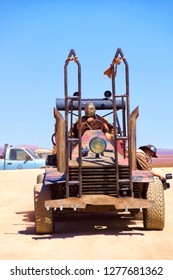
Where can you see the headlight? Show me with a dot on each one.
(97, 145)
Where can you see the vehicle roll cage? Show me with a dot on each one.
(73, 103)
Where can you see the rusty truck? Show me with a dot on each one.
(92, 173)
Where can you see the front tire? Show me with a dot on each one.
(137, 189)
(43, 217)
(154, 218)
(40, 178)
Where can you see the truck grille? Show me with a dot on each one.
(99, 180)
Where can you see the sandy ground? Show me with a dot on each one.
(89, 237)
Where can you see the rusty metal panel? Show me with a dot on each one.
(98, 200)
(143, 176)
(52, 175)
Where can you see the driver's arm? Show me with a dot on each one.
(83, 127)
(106, 125)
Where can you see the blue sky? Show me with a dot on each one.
(36, 37)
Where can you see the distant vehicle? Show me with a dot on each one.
(43, 153)
(20, 158)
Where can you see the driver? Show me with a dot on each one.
(88, 121)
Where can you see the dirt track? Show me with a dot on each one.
(89, 237)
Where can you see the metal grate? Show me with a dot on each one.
(100, 180)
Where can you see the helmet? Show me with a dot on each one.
(90, 109)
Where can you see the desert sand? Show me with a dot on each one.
(89, 237)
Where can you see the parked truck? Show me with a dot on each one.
(92, 172)
(19, 158)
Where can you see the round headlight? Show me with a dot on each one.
(97, 145)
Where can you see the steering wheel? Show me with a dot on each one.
(96, 124)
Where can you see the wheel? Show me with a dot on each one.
(154, 218)
(137, 189)
(43, 217)
(138, 216)
(40, 178)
